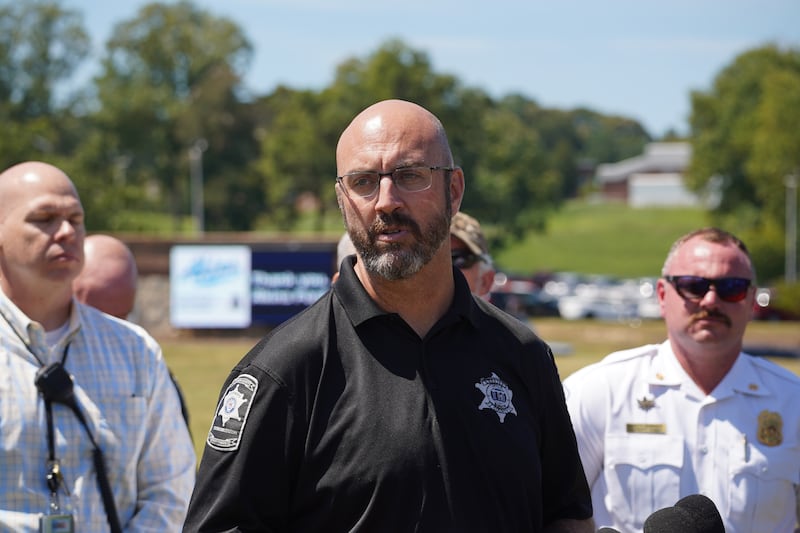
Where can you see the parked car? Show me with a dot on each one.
(607, 298)
(522, 296)
(764, 307)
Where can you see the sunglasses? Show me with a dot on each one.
(464, 259)
(696, 287)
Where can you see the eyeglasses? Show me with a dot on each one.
(464, 259)
(696, 287)
(408, 179)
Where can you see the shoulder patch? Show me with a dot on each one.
(231, 415)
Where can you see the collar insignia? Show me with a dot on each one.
(770, 428)
(496, 396)
(646, 403)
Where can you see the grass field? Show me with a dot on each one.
(201, 364)
(610, 239)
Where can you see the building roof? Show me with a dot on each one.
(659, 157)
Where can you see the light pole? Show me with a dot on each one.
(791, 227)
(196, 171)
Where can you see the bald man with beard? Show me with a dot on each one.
(85, 399)
(398, 401)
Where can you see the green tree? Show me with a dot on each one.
(726, 122)
(295, 163)
(512, 188)
(299, 130)
(170, 77)
(41, 44)
(776, 140)
(520, 160)
(745, 142)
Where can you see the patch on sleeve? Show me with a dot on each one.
(231, 416)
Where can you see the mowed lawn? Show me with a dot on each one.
(611, 239)
(202, 364)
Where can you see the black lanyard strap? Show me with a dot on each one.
(54, 475)
(56, 386)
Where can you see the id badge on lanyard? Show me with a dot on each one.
(56, 523)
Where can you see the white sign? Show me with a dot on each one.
(210, 286)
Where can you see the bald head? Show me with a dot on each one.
(385, 125)
(29, 180)
(109, 276)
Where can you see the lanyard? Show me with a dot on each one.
(55, 386)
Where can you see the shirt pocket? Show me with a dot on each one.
(642, 473)
(762, 486)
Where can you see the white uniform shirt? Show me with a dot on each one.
(124, 390)
(648, 436)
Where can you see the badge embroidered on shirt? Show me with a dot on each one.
(496, 396)
(231, 416)
(770, 428)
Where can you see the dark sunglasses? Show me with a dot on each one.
(464, 259)
(695, 287)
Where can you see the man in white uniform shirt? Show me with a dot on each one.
(693, 414)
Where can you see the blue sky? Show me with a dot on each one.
(636, 58)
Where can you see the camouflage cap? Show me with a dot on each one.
(469, 231)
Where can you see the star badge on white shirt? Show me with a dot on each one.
(496, 396)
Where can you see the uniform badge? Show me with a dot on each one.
(770, 428)
(646, 403)
(496, 396)
(231, 415)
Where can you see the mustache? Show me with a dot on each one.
(385, 221)
(705, 314)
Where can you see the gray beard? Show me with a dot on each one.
(397, 261)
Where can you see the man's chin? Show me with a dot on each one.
(394, 266)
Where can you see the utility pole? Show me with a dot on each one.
(791, 227)
(196, 173)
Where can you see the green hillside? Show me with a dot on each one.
(610, 239)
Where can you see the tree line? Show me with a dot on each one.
(170, 81)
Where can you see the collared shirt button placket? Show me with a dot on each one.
(706, 445)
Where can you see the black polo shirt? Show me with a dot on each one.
(344, 419)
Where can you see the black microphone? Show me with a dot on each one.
(693, 514)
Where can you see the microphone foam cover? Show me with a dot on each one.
(703, 512)
(670, 520)
(693, 514)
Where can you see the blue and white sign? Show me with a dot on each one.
(284, 282)
(210, 286)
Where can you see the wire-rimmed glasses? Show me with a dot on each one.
(409, 179)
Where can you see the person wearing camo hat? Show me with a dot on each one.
(470, 253)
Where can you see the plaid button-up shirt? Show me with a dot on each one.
(123, 388)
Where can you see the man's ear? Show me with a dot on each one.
(339, 194)
(456, 189)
